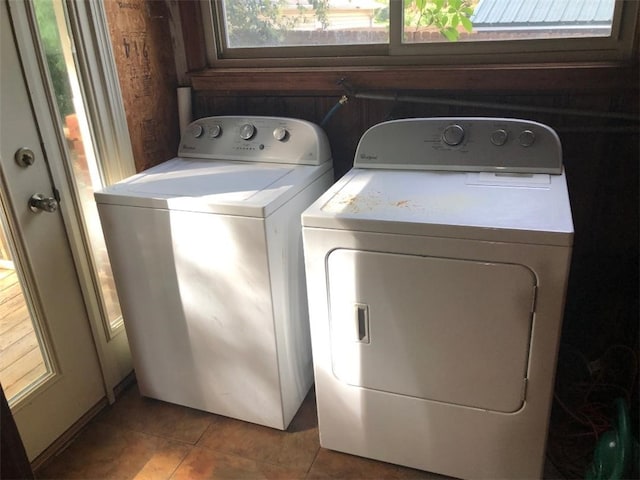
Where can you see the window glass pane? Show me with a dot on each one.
(24, 362)
(85, 169)
(478, 20)
(278, 23)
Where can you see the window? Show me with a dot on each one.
(260, 23)
(421, 31)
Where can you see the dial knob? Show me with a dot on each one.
(526, 138)
(194, 130)
(215, 131)
(280, 134)
(453, 135)
(499, 137)
(247, 131)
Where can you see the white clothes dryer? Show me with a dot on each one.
(206, 251)
(436, 275)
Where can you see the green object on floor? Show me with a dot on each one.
(613, 454)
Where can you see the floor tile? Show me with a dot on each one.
(335, 465)
(164, 462)
(155, 417)
(205, 464)
(295, 447)
(103, 451)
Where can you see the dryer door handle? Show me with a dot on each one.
(362, 322)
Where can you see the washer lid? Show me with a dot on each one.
(214, 186)
(519, 208)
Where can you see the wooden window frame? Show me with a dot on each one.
(291, 75)
(618, 46)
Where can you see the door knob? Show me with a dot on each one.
(39, 202)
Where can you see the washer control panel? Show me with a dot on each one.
(257, 139)
(461, 144)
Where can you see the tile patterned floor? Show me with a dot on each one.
(144, 439)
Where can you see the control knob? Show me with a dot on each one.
(195, 130)
(453, 135)
(280, 133)
(247, 131)
(215, 131)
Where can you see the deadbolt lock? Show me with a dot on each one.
(25, 157)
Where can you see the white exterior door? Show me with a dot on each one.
(64, 48)
(70, 381)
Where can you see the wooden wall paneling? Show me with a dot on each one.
(177, 40)
(602, 301)
(193, 31)
(334, 128)
(143, 54)
(344, 128)
(582, 153)
(617, 200)
(470, 78)
(207, 105)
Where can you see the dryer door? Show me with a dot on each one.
(449, 330)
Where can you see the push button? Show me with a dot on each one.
(527, 138)
(499, 137)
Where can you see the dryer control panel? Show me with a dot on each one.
(470, 144)
(256, 139)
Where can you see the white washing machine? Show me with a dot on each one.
(436, 274)
(206, 251)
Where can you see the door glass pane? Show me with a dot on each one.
(480, 20)
(83, 164)
(22, 362)
(278, 23)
